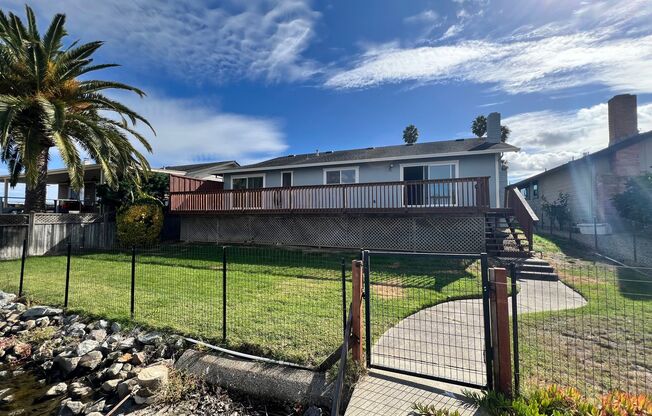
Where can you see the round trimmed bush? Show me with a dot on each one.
(139, 224)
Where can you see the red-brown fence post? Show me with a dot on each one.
(500, 336)
(356, 341)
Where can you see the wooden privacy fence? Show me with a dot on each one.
(459, 194)
(48, 233)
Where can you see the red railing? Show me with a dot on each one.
(522, 211)
(460, 194)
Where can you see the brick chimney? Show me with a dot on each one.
(623, 122)
(493, 128)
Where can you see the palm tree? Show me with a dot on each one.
(44, 103)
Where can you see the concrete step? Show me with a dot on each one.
(537, 275)
(541, 268)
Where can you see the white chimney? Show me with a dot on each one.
(493, 128)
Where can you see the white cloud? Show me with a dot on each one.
(550, 138)
(192, 131)
(196, 40)
(599, 44)
(427, 16)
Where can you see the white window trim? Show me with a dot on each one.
(291, 172)
(437, 163)
(257, 175)
(497, 181)
(428, 164)
(355, 168)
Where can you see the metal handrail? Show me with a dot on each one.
(339, 383)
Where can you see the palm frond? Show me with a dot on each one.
(52, 39)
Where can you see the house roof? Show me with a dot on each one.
(589, 158)
(372, 154)
(202, 166)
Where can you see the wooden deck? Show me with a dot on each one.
(459, 195)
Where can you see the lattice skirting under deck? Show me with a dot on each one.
(435, 233)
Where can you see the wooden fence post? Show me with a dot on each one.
(356, 342)
(500, 336)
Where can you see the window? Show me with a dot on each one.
(525, 192)
(286, 179)
(535, 189)
(340, 176)
(247, 182)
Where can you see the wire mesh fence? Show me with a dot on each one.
(591, 329)
(426, 315)
(279, 302)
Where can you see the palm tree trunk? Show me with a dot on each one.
(35, 196)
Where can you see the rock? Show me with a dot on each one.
(126, 387)
(98, 334)
(5, 392)
(22, 349)
(125, 358)
(43, 322)
(6, 298)
(152, 379)
(4, 374)
(39, 311)
(127, 367)
(94, 414)
(138, 358)
(116, 327)
(113, 356)
(47, 365)
(313, 411)
(7, 399)
(77, 329)
(87, 346)
(140, 400)
(74, 407)
(127, 343)
(91, 360)
(79, 390)
(67, 364)
(114, 370)
(17, 307)
(31, 324)
(96, 407)
(112, 342)
(56, 390)
(150, 338)
(110, 385)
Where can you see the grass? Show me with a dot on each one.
(281, 303)
(602, 346)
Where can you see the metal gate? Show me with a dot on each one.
(427, 315)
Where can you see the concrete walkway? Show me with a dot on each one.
(446, 340)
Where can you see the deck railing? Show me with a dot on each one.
(522, 211)
(459, 194)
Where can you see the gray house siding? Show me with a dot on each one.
(390, 171)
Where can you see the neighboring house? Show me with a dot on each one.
(431, 196)
(86, 200)
(594, 179)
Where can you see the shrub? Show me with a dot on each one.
(140, 224)
(619, 403)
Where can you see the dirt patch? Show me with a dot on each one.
(391, 289)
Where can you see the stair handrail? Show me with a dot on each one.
(523, 212)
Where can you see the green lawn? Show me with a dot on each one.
(603, 346)
(281, 303)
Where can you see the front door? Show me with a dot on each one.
(413, 191)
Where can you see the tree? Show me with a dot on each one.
(410, 134)
(504, 133)
(45, 104)
(154, 187)
(479, 126)
(557, 210)
(635, 202)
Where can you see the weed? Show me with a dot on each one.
(430, 410)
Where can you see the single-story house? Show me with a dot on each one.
(592, 181)
(431, 196)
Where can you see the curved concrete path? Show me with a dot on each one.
(446, 340)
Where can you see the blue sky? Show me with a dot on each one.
(256, 79)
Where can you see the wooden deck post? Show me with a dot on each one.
(500, 335)
(356, 341)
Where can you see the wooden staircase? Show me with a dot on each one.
(504, 236)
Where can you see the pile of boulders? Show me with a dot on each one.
(91, 365)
